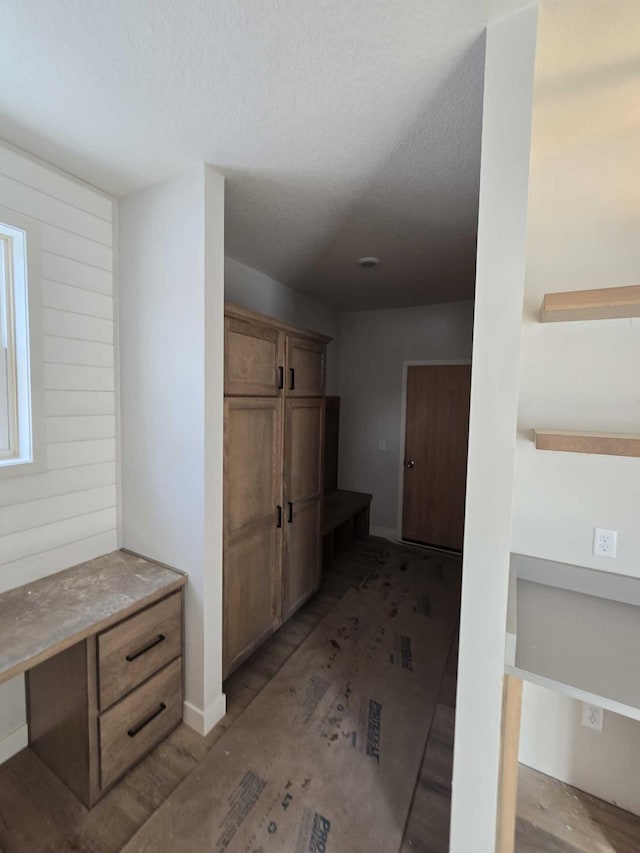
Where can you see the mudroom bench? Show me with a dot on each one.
(346, 515)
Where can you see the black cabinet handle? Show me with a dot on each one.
(146, 648)
(279, 524)
(280, 377)
(290, 516)
(138, 728)
(292, 379)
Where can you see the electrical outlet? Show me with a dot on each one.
(592, 717)
(605, 543)
(382, 444)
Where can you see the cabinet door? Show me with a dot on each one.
(254, 359)
(252, 537)
(305, 367)
(303, 501)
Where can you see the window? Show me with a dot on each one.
(16, 441)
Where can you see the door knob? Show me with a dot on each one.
(408, 463)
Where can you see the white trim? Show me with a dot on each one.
(403, 426)
(13, 743)
(203, 721)
(35, 407)
(115, 294)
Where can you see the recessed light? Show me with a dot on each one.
(367, 263)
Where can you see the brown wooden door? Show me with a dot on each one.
(303, 474)
(253, 359)
(437, 431)
(305, 367)
(252, 537)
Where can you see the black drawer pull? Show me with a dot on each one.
(134, 731)
(146, 648)
(281, 377)
(292, 383)
(279, 524)
(290, 517)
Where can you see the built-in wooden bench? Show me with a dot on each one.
(101, 646)
(346, 515)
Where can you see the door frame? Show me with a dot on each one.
(403, 425)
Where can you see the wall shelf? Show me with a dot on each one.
(604, 304)
(605, 443)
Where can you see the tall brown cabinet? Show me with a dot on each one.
(273, 474)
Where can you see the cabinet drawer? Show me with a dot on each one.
(139, 721)
(136, 648)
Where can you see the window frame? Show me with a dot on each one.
(26, 454)
(8, 339)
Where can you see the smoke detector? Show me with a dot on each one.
(368, 263)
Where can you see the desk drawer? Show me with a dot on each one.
(140, 721)
(136, 648)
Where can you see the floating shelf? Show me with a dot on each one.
(605, 443)
(605, 304)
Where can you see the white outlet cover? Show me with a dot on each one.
(605, 543)
(592, 717)
(382, 444)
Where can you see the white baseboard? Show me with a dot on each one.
(203, 721)
(383, 532)
(13, 743)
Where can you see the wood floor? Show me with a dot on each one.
(38, 813)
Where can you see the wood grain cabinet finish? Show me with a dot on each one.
(305, 367)
(136, 648)
(252, 524)
(254, 358)
(93, 713)
(303, 477)
(135, 725)
(272, 478)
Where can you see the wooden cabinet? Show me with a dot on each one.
(303, 496)
(274, 416)
(254, 358)
(306, 367)
(136, 648)
(252, 524)
(98, 706)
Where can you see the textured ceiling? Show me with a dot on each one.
(344, 128)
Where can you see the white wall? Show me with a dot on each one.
(373, 347)
(253, 289)
(506, 130)
(66, 513)
(554, 740)
(171, 363)
(584, 222)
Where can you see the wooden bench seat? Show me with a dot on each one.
(346, 515)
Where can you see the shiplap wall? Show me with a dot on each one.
(66, 513)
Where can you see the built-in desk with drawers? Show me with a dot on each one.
(101, 646)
